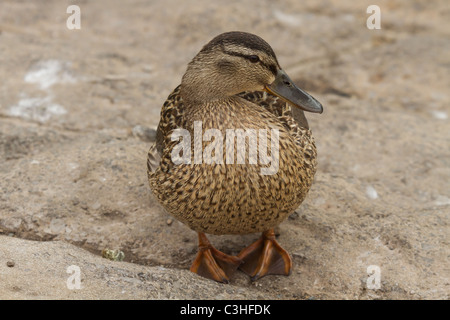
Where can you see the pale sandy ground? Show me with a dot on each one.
(74, 106)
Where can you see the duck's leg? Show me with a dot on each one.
(212, 263)
(265, 256)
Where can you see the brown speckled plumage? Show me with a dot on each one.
(232, 198)
(235, 83)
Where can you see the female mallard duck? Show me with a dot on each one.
(235, 82)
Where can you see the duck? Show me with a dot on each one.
(203, 175)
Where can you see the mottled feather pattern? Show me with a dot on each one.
(232, 198)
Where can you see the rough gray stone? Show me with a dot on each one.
(75, 105)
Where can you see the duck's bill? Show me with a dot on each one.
(285, 88)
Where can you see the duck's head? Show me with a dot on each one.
(235, 62)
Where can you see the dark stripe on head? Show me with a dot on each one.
(273, 68)
(243, 39)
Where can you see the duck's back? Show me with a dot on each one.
(227, 197)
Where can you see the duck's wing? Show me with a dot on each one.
(289, 116)
(153, 159)
(171, 118)
(292, 118)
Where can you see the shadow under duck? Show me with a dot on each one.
(234, 82)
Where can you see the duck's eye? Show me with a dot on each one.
(253, 58)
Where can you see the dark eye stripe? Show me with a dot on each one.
(237, 54)
(271, 67)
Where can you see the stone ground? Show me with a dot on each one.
(77, 109)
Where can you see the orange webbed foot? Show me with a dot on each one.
(212, 263)
(264, 257)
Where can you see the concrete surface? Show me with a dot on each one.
(77, 109)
